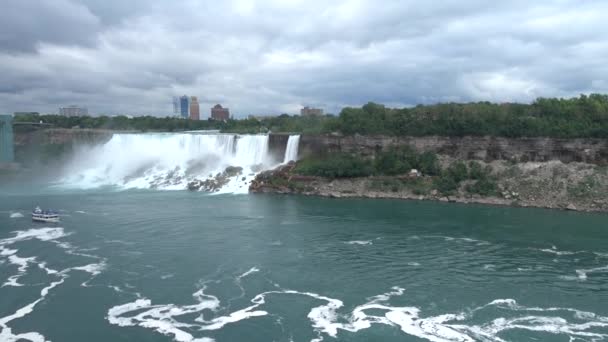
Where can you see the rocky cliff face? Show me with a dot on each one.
(50, 146)
(554, 185)
(61, 136)
(594, 151)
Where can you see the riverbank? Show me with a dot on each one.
(552, 185)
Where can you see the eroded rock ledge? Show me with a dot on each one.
(553, 184)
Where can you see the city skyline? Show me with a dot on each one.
(277, 57)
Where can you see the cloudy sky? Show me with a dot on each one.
(274, 56)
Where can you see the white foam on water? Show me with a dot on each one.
(93, 269)
(6, 332)
(167, 276)
(539, 320)
(396, 291)
(120, 242)
(360, 242)
(80, 212)
(161, 318)
(22, 264)
(16, 215)
(554, 250)
(249, 272)
(46, 234)
(489, 267)
(458, 239)
(42, 265)
(6, 252)
(69, 249)
(413, 263)
(42, 234)
(327, 320)
(582, 274)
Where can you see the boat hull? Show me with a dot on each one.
(46, 219)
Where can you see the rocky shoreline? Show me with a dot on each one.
(552, 185)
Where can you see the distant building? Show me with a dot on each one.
(175, 105)
(307, 111)
(195, 109)
(73, 111)
(220, 113)
(184, 103)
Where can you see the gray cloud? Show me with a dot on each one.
(26, 23)
(274, 56)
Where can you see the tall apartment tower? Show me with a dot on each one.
(184, 103)
(195, 109)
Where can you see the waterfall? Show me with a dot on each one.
(171, 161)
(291, 152)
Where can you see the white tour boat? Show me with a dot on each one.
(40, 215)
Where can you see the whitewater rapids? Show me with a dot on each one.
(170, 161)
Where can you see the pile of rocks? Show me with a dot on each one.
(215, 183)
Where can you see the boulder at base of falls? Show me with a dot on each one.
(215, 183)
(232, 171)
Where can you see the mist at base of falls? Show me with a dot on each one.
(170, 161)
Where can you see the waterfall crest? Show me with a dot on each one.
(223, 163)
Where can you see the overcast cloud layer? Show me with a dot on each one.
(274, 56)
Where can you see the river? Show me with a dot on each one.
(148, 265)
(138, 258)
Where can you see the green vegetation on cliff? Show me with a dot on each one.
(395, 161)
(399, 162)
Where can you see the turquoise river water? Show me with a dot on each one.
(179, 266)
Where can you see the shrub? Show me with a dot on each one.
(476, 171)
(428, 164)
(419, 186)
(396, 161)
(336, 166)
(483, 187)
(401, 160)
(446, 184)
(458, 171)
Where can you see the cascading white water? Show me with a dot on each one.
(170, 161)
(291, 152)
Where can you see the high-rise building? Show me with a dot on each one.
(73, 111)
(195, 109)
(219, 113)
(184, 103)
(307, 111)
(175, 105)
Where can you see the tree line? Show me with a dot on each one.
(583, 116)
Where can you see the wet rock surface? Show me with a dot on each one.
(215, 183)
